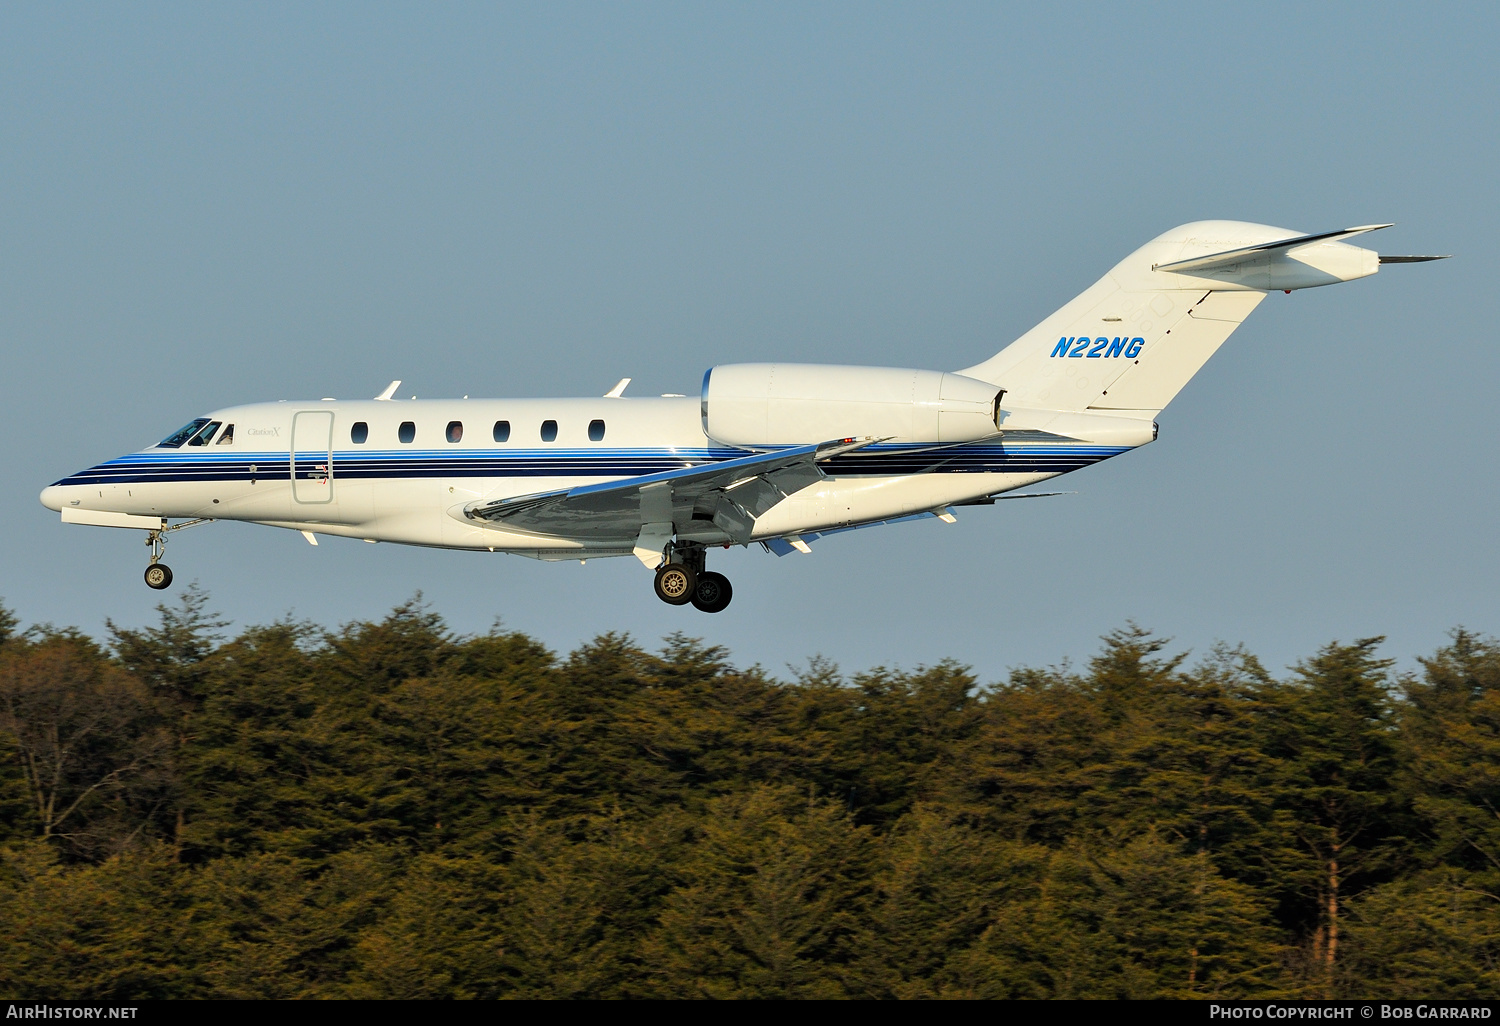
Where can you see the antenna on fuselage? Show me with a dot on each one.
(390, 390)
(618, 391)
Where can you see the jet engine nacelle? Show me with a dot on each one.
(756, 404)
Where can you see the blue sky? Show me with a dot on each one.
(203, 205)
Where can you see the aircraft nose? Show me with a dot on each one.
(53, 496)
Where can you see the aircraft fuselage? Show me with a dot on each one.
(405, 471)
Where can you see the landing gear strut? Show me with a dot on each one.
(682, 579)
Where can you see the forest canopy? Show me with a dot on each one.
(391, 810)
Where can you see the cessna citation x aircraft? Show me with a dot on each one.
(779, 454)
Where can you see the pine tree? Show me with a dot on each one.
(8, 624)
(938, 886)
(251, 755)
(1337, 805)
(106, 932)
(1146, 921)
(171, 659)
(1451, 742)
(1436, 933)
(770, 895)
(1192, 765)
(439, 937)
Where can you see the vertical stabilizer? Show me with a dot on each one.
(1134, 339)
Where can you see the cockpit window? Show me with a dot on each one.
(176, 438)
(227, 438)
(205, 436)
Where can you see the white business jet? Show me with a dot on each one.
(776, 454)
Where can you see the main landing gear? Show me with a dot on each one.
(158, 574)
(683, 579)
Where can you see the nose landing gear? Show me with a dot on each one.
(158, 574)
(683, 579)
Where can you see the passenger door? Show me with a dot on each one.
(312, 456)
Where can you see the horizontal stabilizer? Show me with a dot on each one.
(1234, 256)
(1386, 258)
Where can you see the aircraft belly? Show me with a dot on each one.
(839, 502)
(832, 502)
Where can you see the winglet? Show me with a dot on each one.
(618, 391)
(390, 390)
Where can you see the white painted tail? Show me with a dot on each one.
(1135, 338)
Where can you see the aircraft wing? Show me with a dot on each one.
(732, 493)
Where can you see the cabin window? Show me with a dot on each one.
(596, 430)
(549, 430)
(502, 430)
(359, 434)
(455, 431)
(206, 435)
(227, 438)
(407, 432)
(182, 434)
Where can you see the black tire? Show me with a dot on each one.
(159, 576)
(676, 584)
(713, 592)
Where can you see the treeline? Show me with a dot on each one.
(389, 810)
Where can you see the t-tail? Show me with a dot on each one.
(1128, 344)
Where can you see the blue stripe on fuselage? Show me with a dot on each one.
(875, 461)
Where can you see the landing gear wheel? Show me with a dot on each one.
(158, 576)
(675, 584)
(713, 592)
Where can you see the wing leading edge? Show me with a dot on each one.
(732, 493)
